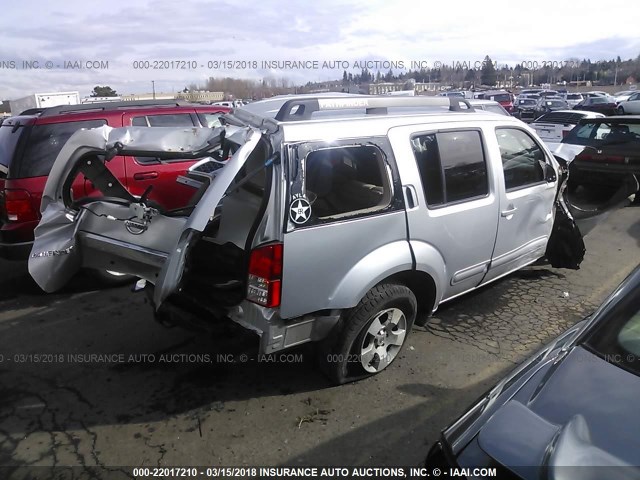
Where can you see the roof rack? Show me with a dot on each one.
(32, 111)
(303, 108)
(106, 106)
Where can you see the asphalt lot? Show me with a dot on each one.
(169, 397)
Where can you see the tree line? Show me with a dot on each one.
(458, 75)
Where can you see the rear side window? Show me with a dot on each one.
(560, 117)
(44, 144)
(452, 166)
(522, 158)
(599, 133)
(346, 180)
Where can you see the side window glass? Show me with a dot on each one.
(522, 158)
(210, 120)
(346, 180)
(170, 120)
(139, 122)
(452, 166)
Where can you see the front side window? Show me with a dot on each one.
(522, 158)
(210, 120)
(345, 180)
(452, 166)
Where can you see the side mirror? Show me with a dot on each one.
(549, 173)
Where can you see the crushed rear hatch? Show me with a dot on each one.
(118, 231)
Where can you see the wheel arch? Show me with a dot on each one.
(421, 284)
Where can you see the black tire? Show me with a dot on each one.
(339, 354)
(620, 110)
(108, 279)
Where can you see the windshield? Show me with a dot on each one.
(574, 96)
(504, 97)
(602, 133)
(617, 338)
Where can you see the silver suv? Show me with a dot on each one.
(332, 219)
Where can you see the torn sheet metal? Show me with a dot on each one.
(122, 234)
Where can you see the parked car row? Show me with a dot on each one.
(630, 105)
(552, 127)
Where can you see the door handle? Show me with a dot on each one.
(410, 197)
(145, 175)
(510, 211)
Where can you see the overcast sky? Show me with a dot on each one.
(123, 31)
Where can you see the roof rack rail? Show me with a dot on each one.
(32, 111)
(303, 108)
(106, 106)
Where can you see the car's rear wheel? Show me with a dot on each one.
(369, 337)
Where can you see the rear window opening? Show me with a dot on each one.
(216, 267)
(346, 180)
(10, 137)
(505, 97)
(43, 146)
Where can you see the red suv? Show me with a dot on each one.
(503, 98)
(30, 143)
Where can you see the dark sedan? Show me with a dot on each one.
(524, 108)
(546, 105)
(605, 105)
(569, 409)
(601, 152)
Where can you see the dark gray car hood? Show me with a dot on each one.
(582, 411)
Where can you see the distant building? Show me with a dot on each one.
(147, 96)
(100, 99)
(201, 96)
(421, 87)
(631, 80)
(384, 88)
(5, 107)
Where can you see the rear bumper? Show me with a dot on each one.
(275, 333)
(524, 115)
(15, 251)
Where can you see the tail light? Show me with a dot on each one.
(565, 133)
(18, 206)
(265, 275)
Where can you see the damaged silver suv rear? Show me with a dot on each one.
(337, 220)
